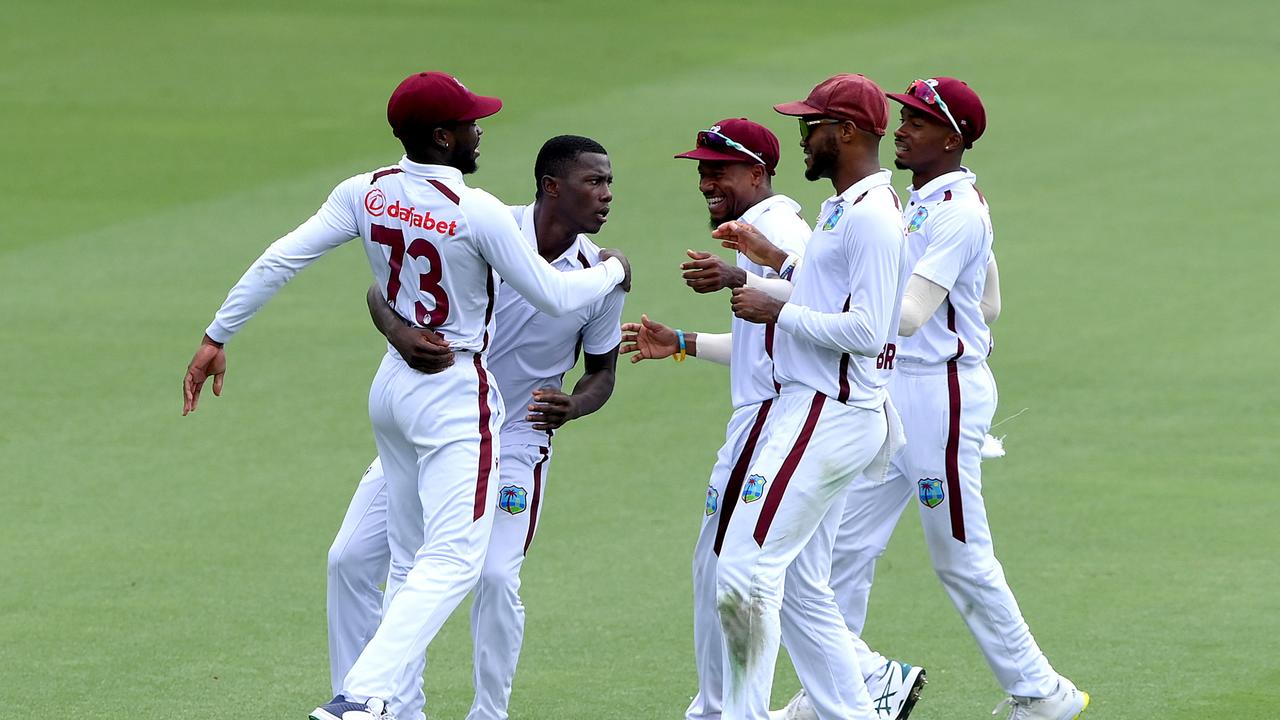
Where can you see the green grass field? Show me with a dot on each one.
(161, 567)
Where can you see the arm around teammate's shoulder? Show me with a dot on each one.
(503, 246)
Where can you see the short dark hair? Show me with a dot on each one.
(558, 153)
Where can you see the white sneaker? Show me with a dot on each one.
(895, 690)
(799, 708)
(1066, 703)
(341, 708)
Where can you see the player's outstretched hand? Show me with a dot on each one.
(707, 273)
(648, 340)
(746, 239)
(422, 349)
(550, 409)
(626, 266)
(210, 359)
(755, 306)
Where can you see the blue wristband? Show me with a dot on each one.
(680, 356)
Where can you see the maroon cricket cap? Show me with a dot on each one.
(845, 97)
(429, 99)
(753, 136)
(962, 101)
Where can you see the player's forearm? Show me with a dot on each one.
(775, 287)
(275, 267)
(991, 294)
(595, 387)
(386, 319)
(920, 301)
(854, 331)
(712, 347)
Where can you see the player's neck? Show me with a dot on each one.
(921, 176)
(554, 236)
(846, 176)
(764, 194)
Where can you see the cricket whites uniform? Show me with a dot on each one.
(831, 424)
(754, 391)
(947, 397)
(531, 350)
(434, 245)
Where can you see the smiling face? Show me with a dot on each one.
(731, 188)
(923, 142)
(585, 192)
(821, 153)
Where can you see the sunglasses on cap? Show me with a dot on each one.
(807, 126)
(713, 138)
(928, 93)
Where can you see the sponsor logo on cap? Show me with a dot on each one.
(513, 499)
(931, 495)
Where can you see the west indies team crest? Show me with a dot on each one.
(918, 219)
(753, 489)
(513, 499)
(931, 492)
(833, 218)
(713, 500)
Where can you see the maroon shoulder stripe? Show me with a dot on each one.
(946, 196)
(981, 197)
(844, 363)
(583, 259)
(956, 504)
(486, 441)
(896, 202)
(383, 173)
(535, 500)
(445, 191)
(859, 198)
(733, 487)
(774, 498)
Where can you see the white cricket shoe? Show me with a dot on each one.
(895, 690)
(1066, 703)
(341, 708)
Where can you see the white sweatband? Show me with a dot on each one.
(716, 347)
(776, 288)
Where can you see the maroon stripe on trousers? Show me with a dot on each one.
(844, 364)
(774, 498)
(537, 498)
(486, 441)
(768, 351)
(445, 191)
(734, 486)
(953, 452)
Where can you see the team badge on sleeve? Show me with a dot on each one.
(713, 500)
(833, 218)
(753, 489)
(513, 499)
(931, 492)
(918, 219)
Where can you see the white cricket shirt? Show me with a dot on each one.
(533, 350)
(848, 294)
(949, 242)
(433, 244)
(751, 378)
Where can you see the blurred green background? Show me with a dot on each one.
(157, 567)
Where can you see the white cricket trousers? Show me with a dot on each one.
(358, 563)
(437, 438)
(946, 411)
(780, 535)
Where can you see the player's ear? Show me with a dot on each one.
(442, 138)
(549, 186)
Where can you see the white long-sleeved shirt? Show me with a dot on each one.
(949, 243)
(843, 312)
(433, 245)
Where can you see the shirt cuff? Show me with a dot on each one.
(217, 333)
(789, 317)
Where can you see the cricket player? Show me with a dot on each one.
(434, 244)
(531, 352)
(833, 422)
(736, 161)
(947, 396)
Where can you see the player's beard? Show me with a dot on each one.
(464, 158)
(822, 163)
